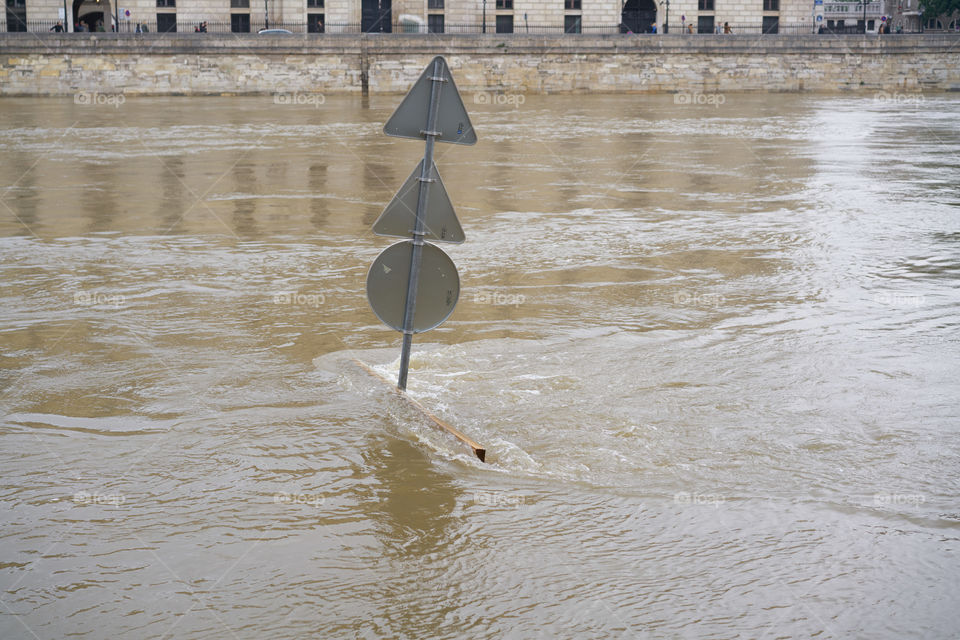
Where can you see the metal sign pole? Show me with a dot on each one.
(437, 81)
(415, 267)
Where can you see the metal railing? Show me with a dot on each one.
(686, 29)
(691, 29)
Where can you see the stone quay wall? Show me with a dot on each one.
(209, 64)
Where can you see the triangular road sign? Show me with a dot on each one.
(440, 221)
(410, 118)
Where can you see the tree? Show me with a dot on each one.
(940, 8)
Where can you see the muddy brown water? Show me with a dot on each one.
(712, 350)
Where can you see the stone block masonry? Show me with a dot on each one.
(208, 64)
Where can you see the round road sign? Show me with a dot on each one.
(438, 286)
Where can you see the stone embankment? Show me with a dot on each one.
(209, 64)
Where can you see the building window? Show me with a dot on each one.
(705, 24)
(314, 4)
(771, 5)
(571, 5)
(166, 3)
(771, 24)
(434, 4)
(16, 15)
(435, 23)
(504, 5)
(239, 4)
(504, 23)
(705, 5)
(571, 24)
(240, 22)
(315, 22)
(167, 22)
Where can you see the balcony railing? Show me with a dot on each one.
(845, 10)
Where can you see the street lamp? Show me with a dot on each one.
(266, 16)
(484, 16)
(666, 17)
(865, 3)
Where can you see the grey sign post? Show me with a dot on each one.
(430, 112)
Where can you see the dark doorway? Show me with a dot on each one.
(314, 23)
(705, 24)
(167, 22)
(375, 16)
(638, 16)
(240, 22)
(16, 15)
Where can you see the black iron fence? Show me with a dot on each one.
(318, 27)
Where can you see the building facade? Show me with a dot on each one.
(857, 17)
(462, 16)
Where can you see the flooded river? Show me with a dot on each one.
(712, 351)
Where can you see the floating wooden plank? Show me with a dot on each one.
(477, 449)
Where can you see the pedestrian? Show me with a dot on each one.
(203, 27)
(653, 28)
(716, 29)
(57, 27)
(690, 28)
(137, 30)
(726, 28)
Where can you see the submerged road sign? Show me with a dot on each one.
(411, 119)
(413, 285)
(440, 221)
(437, 291)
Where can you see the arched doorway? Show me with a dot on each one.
(638, 16)
(93, 14)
